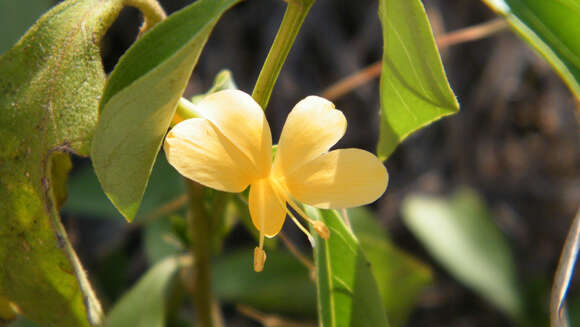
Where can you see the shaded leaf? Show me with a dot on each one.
(160, 240)
(50, 84)
(551, 28)
(460, 234)
(16, 17)
(7, 311)
(348, 294)
(284, 286)
(400, 277)
(86, 198)
(145, 304)
(140, 99)
(414, 90)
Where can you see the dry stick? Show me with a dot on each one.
(292, 248)
(564, 272)
(368, 73)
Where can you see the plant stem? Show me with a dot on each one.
(199, 226)
(152, 11)
(293, 18)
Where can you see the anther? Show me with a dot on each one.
(321, 229)
(259, 259)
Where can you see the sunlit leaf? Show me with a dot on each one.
(284, 286)
(348, 294)
(50, 85)
(414, 90)
(460, 234)
(223, 81)
(551, 28)
(140, 99)
(145, 304)
(400, 277)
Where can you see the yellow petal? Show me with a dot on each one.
(197, 149)
(267, 208)
(339, 179)
(242, 121)
(312, 127)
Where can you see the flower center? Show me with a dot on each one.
(283, 197)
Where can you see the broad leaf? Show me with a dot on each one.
(16, 17)
(460, 234)
(400, 277)
(140, 99)
(50, 85)
(550, 27)
(347, 291)
(414, 90)
(283, 287)
(145, 304)
(87, 200)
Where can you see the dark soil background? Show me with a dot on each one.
(515, 139)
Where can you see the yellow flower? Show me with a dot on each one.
(231, 148)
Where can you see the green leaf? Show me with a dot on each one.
(160, 240)
(400, 277)
(140, 99)
(50, 85)
(347, 291)
(551, 28)
(87, 199)
(284, 286)
(16, 17)
(224, 80)
(145, 304)
(460, 234)
(414, 89)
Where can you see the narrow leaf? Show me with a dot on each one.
(50, 85)
(552, 29)
(347, 291)
(400, 277)
(563, 275)
(460, 234)
(140, 99)
(145, 304)
(414, 89)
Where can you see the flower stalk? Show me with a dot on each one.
(294, 16)
(200, 229)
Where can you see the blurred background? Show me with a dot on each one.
(507, 167)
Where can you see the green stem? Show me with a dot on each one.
(152, 11)
(200, 229)
(293, 18)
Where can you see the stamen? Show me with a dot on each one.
(259, 259)
(319, 226)
(301, 227)
(259, 253)
(321, 229)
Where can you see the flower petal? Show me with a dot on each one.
(197, 149)
(266, 204)
(312, 127)
(242, 121)
(339, 179)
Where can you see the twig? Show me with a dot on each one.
(368, 73)
(292, 248)
(269, 320)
